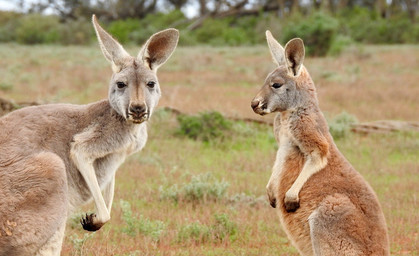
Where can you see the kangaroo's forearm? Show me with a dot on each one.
(108, 193)
(315, 162)
(85, 167)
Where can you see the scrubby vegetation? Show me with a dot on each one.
(340, 125)
(206, 126)
(201, 188)
(323, 32)
(360, 81)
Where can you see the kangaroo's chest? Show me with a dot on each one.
(105, 167)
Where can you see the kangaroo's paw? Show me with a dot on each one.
(90, 222)
(291, 201)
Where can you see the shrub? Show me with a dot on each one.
(138, 31)
(78, 243)
(340, 126)
(194, 232)
(8, 23)
(366, 26)
(221, 230)
(5, 86)
(223, 32)
(150, 228)
(318, 32)
(201, 188)
(77, 32)
(204, 187)
(37, 29)
(206, 126)
(123, 29)
(224, 228)
(339, 44)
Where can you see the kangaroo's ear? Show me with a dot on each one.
(113, 51)
(277, 50)
(159, 47)
(294, 55)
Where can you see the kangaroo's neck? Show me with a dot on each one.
(103, 109)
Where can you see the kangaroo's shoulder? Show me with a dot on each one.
(309, 131)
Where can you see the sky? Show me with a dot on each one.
(7, 5)
(13, 5)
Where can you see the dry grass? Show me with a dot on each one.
(371, 83)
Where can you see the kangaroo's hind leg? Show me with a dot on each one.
(33, 212)
(336, 228)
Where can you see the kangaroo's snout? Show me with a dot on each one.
(254, 104)
(259, 107)
(137, 113)
(137, 109)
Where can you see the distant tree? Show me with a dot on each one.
(177, 3)
(134, 8)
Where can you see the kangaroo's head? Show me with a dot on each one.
(134, 90)
(283, 88)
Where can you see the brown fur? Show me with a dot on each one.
(335, 212)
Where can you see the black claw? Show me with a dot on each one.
(292, 206)
(88, 223)
(273, 203)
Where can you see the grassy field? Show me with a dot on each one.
(159, 208)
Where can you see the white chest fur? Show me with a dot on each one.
(285, 147)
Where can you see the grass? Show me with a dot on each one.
(365, 83)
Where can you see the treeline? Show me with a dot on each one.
(326, 26)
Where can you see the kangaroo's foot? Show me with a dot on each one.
(90, 222)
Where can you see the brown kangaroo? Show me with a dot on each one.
(324, 204)
(57, 157)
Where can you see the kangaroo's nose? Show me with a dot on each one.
(137, 109)
(254, 104)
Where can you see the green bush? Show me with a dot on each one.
(411, 35)
(221, 230)
(150, 228)
(38, 29)
(201, 188)
(366, 26)
(138, 31)
(9, 21)
(340, 125)
(195, 232)
(122, 29)
(78, 32)
(206, 126)
(224, 228)
(339, 44)
(318, 32)
(223, 31)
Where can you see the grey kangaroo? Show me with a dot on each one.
(324, 204)
(55, 158)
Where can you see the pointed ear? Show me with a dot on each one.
(294, 55)
(159, 47)
(277, 51)
(113, 51)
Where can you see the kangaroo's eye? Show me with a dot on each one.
(121, 85)
(276, 85)
(151, 84)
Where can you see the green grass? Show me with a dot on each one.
(239, 221)
(368, 87)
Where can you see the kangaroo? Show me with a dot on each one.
(325, 206)
(56, 157)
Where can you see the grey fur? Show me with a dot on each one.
(55, 158)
